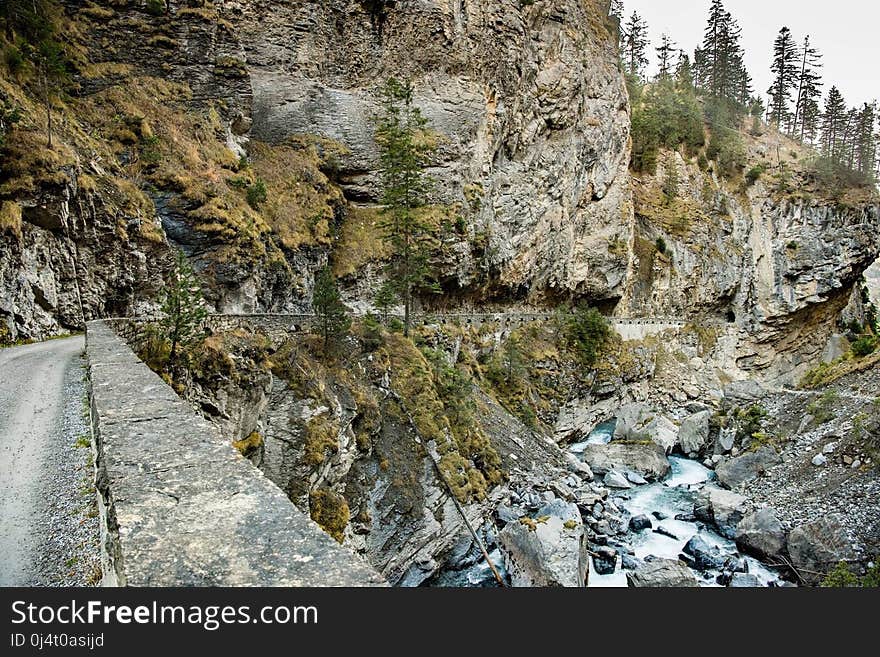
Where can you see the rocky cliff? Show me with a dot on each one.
(777, 256)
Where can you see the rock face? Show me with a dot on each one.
(779, 269)
(816, 547)
(761, 533)
(548, 551)
(527, 98)
(747, 467)
(661, 573)
(722, 508)
(648, 460)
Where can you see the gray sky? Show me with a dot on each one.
(845, 31)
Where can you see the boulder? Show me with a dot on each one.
(747, 467)
(663, 573)
(638, 422)
(639, 523)
(726, 439)
(744, 581)
(549, 550)
(694, 432)
(760, 533)
(604, 560)
(744, 392)
(816, 547)
(615, 479)
(703, 556)
(722, 508)
(629, 562)
(649, 460)
(635, 478)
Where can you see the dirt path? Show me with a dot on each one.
(41, 473)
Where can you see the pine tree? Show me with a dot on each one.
(616, 10)
(833, 125)
(865, 141)
(719, 64)
(386, 298)
(684, 73)
(183, 307)
(785, 69)
(665, 52)
(635, 45)
(331, 314)
(405, 150)
(809, 90)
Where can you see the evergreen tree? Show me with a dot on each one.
(665, 52)
(719, 63)
(616, 10)
(785, 71)
(833, 125)
(330, 312)
(30, 23)
(386, 298)
(684, 73)
(809, 90)
(865, 141)
(183, 307)
(405, 150)
(635, 45)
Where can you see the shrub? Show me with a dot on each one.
(840, 577)
(156, 7)
(864, 346)
(14, 60)
(727, 150)
(331, 511)
(660, 244)
(755, 173)
(587, 330)
(256, 194)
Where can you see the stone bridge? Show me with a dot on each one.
(179, 506)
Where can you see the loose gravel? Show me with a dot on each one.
(66, 519)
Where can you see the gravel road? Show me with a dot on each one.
(48, 520)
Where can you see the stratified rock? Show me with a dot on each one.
(663, 573)
(816, 547)
(721, 508)
(694, 432)
(648, 460)
(549, 550)
(761, 534)
(747, 467)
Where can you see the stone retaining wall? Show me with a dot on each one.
(179, 505)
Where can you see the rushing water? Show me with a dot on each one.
(673, 496)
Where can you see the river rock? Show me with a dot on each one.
(744, 581)
(819, 460)
(648, 460)
(663, 573)
(704, 556)
(722, 508)
(629, 562)
(760, 533)
(639, 523)
(604, 560)
(548, 551)
(635, 478)
(747, 467)
(639, 422)
(694, 432)
(616, 479)
(816, 547)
